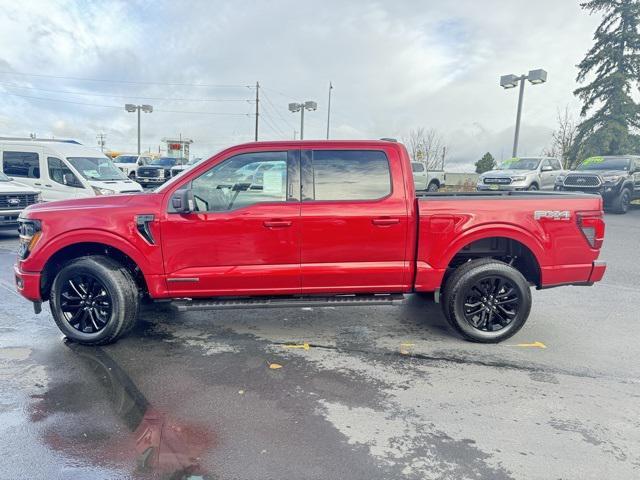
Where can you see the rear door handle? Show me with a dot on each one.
(277, 223)
(37, 183)
(385, 222)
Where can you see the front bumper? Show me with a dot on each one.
(9, 218)
(28, 284)
(151, 180)
(499, 187)
(607, 192)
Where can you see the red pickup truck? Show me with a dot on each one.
(280, 224)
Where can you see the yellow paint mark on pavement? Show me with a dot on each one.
(405, 348)
(304, 346)
(274, 366)
(529, 345)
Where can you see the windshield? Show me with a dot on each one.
(164, 162)
(126, 159)
(97, 168)
(520, 164)
(3, 177)
(604, 163)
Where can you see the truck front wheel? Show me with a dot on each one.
(487, 301)
(94, 300)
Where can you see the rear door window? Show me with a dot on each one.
(350, 175)
(21, 164)
(417, 167)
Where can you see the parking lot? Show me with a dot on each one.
(358, 393)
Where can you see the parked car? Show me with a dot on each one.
(63, 170)
(526, 173)
(178, 169)
(427, 180)
(334, 223)
(158, 171)
(129, 164)
(615, 178)
(14, 197)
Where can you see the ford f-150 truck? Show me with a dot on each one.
(330, 223)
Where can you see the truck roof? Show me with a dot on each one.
(316, 143)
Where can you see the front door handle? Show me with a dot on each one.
(385, 222)
(277, 223)
(37, 183)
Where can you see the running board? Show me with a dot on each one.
(287, 302)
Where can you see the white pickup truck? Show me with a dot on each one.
(427, 180)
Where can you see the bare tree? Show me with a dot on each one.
(563, 138)
(427, 146)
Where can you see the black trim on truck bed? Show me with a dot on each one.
(523, 195)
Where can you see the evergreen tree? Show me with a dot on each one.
(614, 62)
(486, 163)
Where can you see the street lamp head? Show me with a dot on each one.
(310, 105)
(147, 108)
(130, 107)
(295, 107)
(509, 81)
(537, 77)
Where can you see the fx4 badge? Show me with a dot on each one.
(552, 214)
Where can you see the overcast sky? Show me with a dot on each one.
(395, 65)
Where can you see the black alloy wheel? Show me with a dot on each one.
(491, 303)
(85, 303)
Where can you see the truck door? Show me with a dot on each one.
(354, 221)
(243, 237)
(548, 173)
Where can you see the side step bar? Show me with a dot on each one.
(287, 302)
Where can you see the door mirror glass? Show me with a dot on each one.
(70, 180)
(547, 168)
(182, 201)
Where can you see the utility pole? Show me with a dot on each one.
(444, 152)
(101, 140)
(295, 134)
(257, 107)
(329, 109)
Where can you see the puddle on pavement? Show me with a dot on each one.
(143, 439)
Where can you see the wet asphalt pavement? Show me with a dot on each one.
(380, 392)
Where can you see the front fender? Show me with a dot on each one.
(147, 257)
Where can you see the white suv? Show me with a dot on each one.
(14, 197)
(129, 163)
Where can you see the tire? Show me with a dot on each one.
(621, 203)
(533, 187)
(103, 295)
(433, 187)
(506, 303)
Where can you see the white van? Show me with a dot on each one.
(63, 170)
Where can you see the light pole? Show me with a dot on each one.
(130, 107)
(301, 107)
(536, 77)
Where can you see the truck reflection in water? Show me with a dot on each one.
(163, 447)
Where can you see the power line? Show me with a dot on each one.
(277, 111)
(169, 99)
(128, 82)
(118, 107)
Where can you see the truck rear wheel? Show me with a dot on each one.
(94, 300)
(433, 187)
(486, 300)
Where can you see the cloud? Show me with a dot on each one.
(395, 66)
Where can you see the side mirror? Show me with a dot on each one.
(547, 168)
(70, 180)
(182, 201)
(140, 163)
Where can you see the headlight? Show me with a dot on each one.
(518, 178)
(30, 232)
(611, 178)
(103, 191)
(161, 173)
(560, 179)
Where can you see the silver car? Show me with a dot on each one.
(525, 173)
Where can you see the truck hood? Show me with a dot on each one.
(16, 187)
(117, 185)
(506, 173)
(605, 173)
(148, 201)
